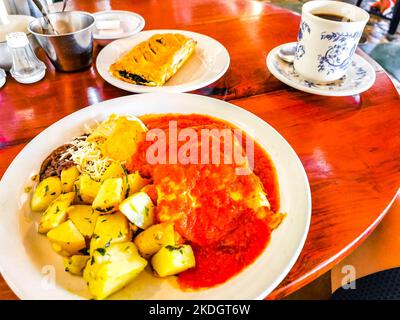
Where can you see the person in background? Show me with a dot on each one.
(383, 6)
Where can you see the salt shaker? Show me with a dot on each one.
(26, 67)
(2, 77)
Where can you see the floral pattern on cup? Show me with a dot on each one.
(300, 51)
(303, 27)
(339, 54)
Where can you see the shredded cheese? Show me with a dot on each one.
(87, 155)
(88, 158)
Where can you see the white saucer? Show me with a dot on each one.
(359, 77)
(207, 64)
(131, 23)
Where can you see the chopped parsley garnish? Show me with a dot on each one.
(102, 251)
(84, 251)
(125, 169)
(127, 192)
(172, 248)
(106, 209)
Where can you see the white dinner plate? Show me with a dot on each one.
(34, 271)
(359, 77)
(207, 64)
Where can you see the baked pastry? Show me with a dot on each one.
(154, 61)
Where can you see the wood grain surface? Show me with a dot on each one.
(349, 146)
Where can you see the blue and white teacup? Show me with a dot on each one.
(325, 47)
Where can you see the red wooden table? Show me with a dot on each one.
(349, 146)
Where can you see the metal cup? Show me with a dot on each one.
(71, 48)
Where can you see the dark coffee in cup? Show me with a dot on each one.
(332, 17)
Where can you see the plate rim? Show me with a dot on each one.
(299, 247)
(349, 92)
(146, 89)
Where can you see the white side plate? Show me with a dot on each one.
(207, 64)
(131, 23)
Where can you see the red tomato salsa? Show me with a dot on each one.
(212, 206)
